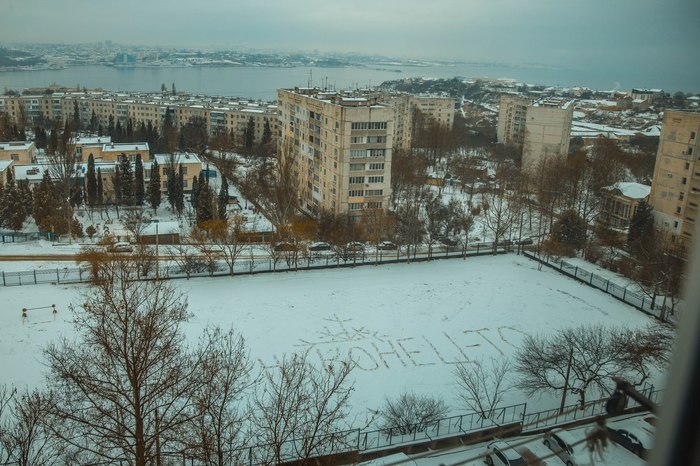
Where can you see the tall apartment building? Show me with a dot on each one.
(341, 146)
(511, 119)
(543, 128)
(675, 188)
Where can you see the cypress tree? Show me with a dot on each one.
(249, 133)
(91, 182)
(172, 185)
(180, 191)
(139, 188)
(154, 196)
(267, 134)
(222, 201)
(641, 229)
(45, 199)
(195, 192)
(100, 189)
(126, 182)
(205, 208)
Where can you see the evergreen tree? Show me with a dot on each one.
(76, 194)
(110, 125)
(267, 134)
(117, 186)
(40, 139)
(570, 229)
(195, 192)
(46, 200)
(139, 188)
(249, 134)
(13, 209)
(173, 88)
(27, 197)
(205, 204)
(172, 185)
(154, 197)
(76, 115)
(641, 230)
(127, 181)
(163, 89)
(91, 182)
(93, 122)
(52, 144)
(222, 201)
(100, 189)
(180, 192)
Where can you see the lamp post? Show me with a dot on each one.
(157, 256)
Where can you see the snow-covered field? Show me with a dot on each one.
(405, 326)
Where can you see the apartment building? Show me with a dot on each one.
(542, 128)
(511, 119)
(675, 189)
(220, 114)
(341, 145)
(547, 131)
(440, 110)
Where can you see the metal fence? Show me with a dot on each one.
(14, 237)
(643, 303)
(199, 267)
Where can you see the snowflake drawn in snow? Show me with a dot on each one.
(340, 331)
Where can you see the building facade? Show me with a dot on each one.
(675, 191)
(542, 128)
(341, 146)
(619, 203)
(18, 151)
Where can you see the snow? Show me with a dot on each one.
(405, 326)
(631, 189)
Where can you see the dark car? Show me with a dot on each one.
(448, 241)
(316, 247)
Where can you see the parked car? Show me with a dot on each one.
(120, 246)
(500, 453)
(561, 442)
(355, 247)
(387, 246)
(320, 246)
(634, 440)
(448, 241)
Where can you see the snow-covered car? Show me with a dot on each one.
(634, 440)
(120, 246)
(447, 241)
(500, 453)
(319, 246)
(562, 443)
(387, 246)
(285, 247)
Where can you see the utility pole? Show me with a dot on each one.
(157, 256)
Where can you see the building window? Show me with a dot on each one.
(376, 179)
(376, 139)
(355, 206)
(376, 166)
(692, 135)
(15, 157)
(684, 180)
(681, 195)
(357, 139)
(355, 193)
(358, 153)
(675, 224)
(356, 167)
(184, 183)
(690, 151)
(687, 165)
(357, 179)
(678, 210)
(374, 192)
(376, 152)
(374, 205)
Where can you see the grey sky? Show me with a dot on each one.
(589, 34)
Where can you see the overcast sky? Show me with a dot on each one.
(586, 34)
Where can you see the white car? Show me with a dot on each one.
(500, 453)
(561, 442)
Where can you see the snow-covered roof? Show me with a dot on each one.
(183, 157)
(164, 228)
(16, 145)
(125, 146)
(82, 140)
(631, 189)
(4, 164)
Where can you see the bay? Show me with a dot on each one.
(258, 82)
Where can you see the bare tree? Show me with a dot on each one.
(127, 386)
(581, 359)
(501, 205)
(410, 413)
(135, 222)
(481, 387)
(25, 436)
(218, 427)
(301, 408)
(221, 239)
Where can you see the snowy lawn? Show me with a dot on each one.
(405, 326)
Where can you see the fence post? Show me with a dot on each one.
(58, 276)
(80, 274)
(643, 298)
(607, 285)
(576, 272)
(624, 294)
(3, 279)
(35, 276)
